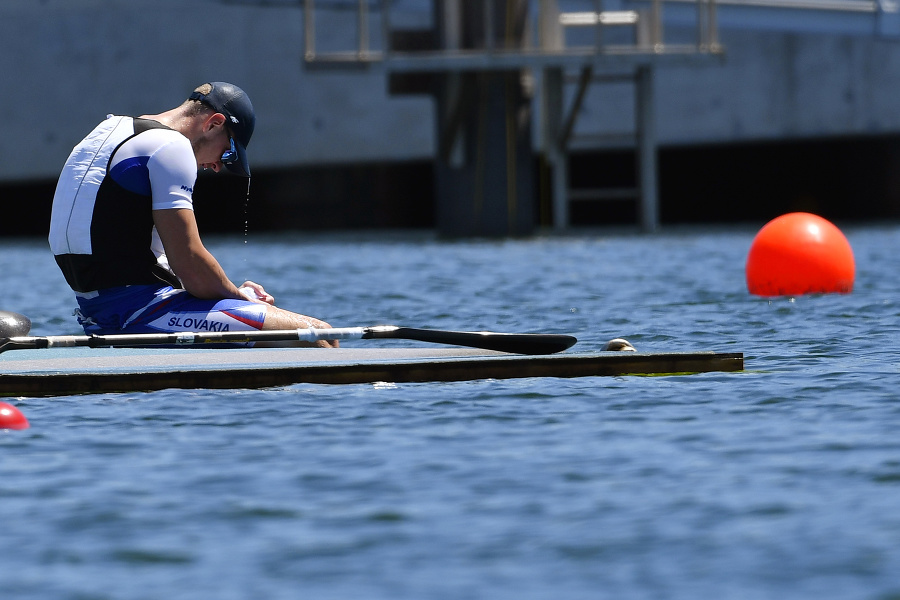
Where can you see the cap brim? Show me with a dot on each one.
(241, 166)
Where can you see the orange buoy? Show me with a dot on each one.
(11, 417)
(800, 253)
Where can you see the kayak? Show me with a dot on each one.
(85, 370)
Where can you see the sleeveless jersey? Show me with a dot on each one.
(101, 226)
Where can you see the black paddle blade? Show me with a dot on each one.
(515, 343)
(13, 324)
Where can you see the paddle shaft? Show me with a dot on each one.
(517, 343)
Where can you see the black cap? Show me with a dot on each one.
(231, 101)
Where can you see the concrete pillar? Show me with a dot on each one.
(552, 146)
(484, 171)
(646, 151)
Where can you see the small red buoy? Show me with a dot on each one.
(11, 417)
(800, 253)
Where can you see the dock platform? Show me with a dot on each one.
(68, 371)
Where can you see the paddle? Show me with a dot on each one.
(516, 343)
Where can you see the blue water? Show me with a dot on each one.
(782, 481)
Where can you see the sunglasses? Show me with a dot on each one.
(230, 156)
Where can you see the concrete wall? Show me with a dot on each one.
(783, 86)
(65, 64)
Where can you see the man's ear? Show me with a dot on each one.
(214, 120)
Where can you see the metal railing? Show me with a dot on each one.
(548, 29)
(862, 6)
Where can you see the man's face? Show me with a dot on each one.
(211, 145)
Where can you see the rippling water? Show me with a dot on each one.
(782, 481)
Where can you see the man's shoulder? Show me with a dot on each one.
(161, 144)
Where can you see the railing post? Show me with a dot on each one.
(386, 27)
(713, 29)
(551, 37)
(598, 40)
(656, 30)
(309, 29)
(701, 25)
(363, 33)
(707, 34)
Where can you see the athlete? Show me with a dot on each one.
(123, 231)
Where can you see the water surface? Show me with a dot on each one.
(782, 481)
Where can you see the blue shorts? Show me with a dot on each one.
(151, 309)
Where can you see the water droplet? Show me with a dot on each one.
(246, 209)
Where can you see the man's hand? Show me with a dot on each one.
(255, 292)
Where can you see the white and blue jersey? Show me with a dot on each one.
(104, 240)
(101, 227)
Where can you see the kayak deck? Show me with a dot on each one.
(65, 371)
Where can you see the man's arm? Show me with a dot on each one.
(198, 270)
